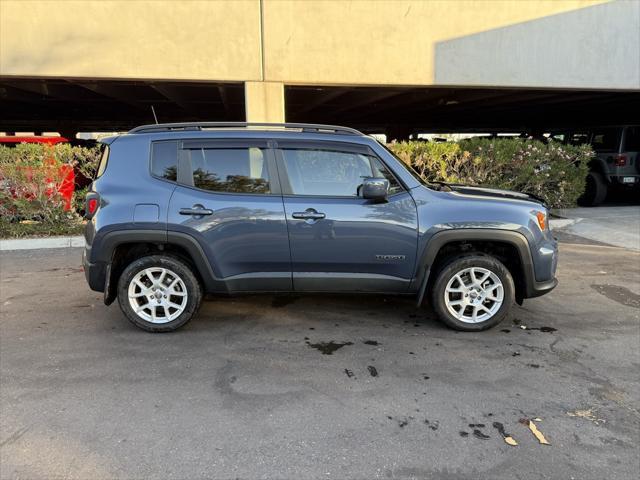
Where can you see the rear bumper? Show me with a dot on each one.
(94, 273)
(629, 180)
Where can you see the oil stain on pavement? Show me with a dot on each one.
(327, 348)
(619, 294)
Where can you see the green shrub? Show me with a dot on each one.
(552, 171)
(433, 161)
(31, 176)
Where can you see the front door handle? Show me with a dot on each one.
(196, 211)
(309, 214)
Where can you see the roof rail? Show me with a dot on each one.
(305, 127)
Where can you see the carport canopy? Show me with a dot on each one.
(72, 105)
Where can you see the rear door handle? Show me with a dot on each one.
(196, 211)
(308, 215)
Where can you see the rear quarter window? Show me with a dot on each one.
(164, 160)
(104, 158)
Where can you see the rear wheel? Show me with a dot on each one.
(159, 293)
(473, 293)
(595, 191)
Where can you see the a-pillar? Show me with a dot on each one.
(264, 101)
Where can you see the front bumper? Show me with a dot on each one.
(538, 289)
(544, 268)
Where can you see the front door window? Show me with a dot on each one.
(332, 173)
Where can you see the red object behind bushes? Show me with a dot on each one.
(47, 140)
(60, 178)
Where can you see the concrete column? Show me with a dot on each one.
(264, 101)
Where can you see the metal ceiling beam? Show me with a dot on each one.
(369, 100)
(110, 92)
(171, 93)
(322, 100)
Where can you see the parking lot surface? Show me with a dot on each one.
(248, 389)
(614, 225)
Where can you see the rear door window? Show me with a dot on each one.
(230, 170)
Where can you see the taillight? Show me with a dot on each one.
(620, 160)
(92, 204)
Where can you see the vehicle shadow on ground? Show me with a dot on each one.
(317, 310)
(322, 313)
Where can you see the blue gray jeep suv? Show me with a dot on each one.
(179, 210)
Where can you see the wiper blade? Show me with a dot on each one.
(446, 185)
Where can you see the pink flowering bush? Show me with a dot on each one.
(552, 171)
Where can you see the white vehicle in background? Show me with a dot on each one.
(617, 162)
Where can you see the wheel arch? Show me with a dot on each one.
(510, 247)
(119, 248)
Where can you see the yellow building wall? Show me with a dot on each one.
(191, 40)
(380, 42)
(265, 43)
(305, 41)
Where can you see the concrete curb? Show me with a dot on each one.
(36, 243)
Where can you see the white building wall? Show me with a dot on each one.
(595, 47)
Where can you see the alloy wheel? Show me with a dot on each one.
(157, 295)
(474, 295)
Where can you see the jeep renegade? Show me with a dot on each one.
(180, 210)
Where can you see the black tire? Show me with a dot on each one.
(595, 191)
(177, 267)
(458, 264)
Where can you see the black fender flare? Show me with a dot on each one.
(104, 245)
(198, 256)
(440, 239)
(111, 240)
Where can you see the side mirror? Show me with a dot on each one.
(375, 189)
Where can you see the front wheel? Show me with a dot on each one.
(159, 293)
(473, 293)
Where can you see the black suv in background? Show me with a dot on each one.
(617, 162)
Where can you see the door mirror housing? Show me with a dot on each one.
(376, 189)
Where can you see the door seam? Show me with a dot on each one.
(276, 156)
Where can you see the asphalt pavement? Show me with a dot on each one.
(247, 389)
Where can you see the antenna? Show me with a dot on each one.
(153, 110)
